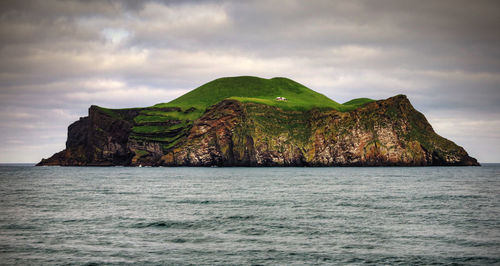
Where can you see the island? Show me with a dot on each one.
(251, 121)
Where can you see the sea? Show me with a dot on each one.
(249, 216)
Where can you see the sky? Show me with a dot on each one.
(60, 57)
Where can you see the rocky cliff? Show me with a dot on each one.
(237, 133)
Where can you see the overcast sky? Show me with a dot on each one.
(60, 57)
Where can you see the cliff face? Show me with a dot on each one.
(232, 133)
(101, 139)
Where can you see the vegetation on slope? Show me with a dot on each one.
(168, 122)
(355, 103)
(259, 90)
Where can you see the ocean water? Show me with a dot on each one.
(287, 216)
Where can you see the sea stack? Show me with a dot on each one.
(250, 121)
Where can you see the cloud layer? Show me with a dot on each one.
(59, 57)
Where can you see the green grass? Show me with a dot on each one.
(115, 113)
(141, 119)
(155, 129)
(355, 103)
(259, 90)
(110, 112)
(150, 124)
(243, 89)
(174, 115)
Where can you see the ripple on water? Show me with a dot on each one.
(226, 216)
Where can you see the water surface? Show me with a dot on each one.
(119, 215)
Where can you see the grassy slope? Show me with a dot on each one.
(150, 123)
(244, 89)
(259, 90)
(355, 103)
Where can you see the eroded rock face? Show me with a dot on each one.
(97, 140)
(231, 133)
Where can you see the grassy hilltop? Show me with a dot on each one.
(259, 90)
(169, 122)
